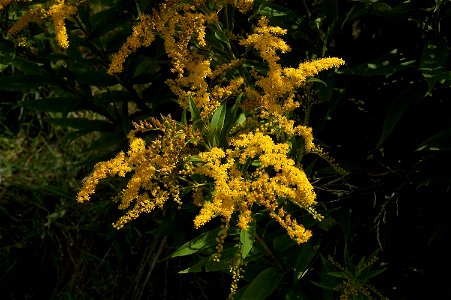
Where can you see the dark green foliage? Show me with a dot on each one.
(385, 118)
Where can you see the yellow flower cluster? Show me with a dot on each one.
(255, 171)
(142, 36)
(266, 41)
(177, 22)
(180, 23)
(155, 168)
(251, 169)
(36, 14)
(4, 3)
(275, 92)
(57, 12)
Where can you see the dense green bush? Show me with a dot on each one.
(384, 118)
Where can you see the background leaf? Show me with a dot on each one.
(263, 285)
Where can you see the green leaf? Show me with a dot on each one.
(316, 80)
(435, 54)
(282, 243)
(197, 267)
(327, 223)
(348, 262)
(95, 78)
(330, 9)
(325, 86)
(208, 264)
(273, 11)
(194, 110)
(433, 60)
(231, 118)
(371, 274)
(141, 6)
(195, 159)
(263, 285)
(389, 63)
(195, 115)
(216, 126)
(230, 18)
(146, 66)
(105, 98)
(343, 275)
(203, 241)
(356, 11)
(240, 120)
(220, 36)
(259, 5)
(82, 124)
(360, 266)
(108, 142)
(7, 53)
(57, 104)
(247, 238)
(29, 67)
(23, 82)
(440, 141)
(106, 21)
(224, 263)
(307, 252)
(325, 285)
(381, 9)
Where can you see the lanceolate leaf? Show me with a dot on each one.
(306, 254)
(216, 126)
(7, 52)
(263, 285)
(208, 264)
(433, 59)
(82, 123)
(371, 274)
(203, 241)
(23, 82)
(440, 141)
(343, 275)
(57, 104)
(386, 64)
(247, 238)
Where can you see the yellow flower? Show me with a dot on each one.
(155, 168)
(275, 92)
(59, 12)
(35, 14)
(237, 188)
(142, 36)
(312, 68)
(4, 3)
(266, 41)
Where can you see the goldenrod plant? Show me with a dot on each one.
(234, 153)
(233, 158)
(210, 124)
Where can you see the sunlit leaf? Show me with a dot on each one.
(247, 238)
(203, 241)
